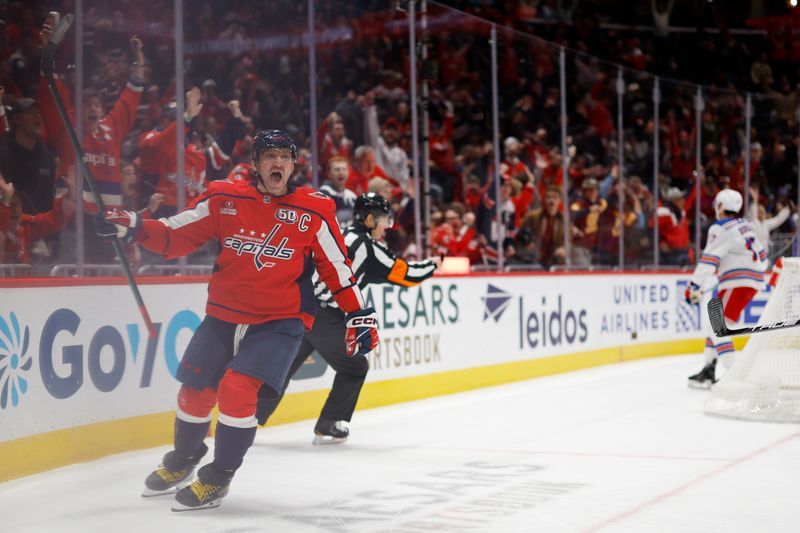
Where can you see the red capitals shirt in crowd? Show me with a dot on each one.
(672, 231)
(15, 243)
(101, 147)
(460, 244)
(242, 171)
(359, 183)
(328, 149)
(270, 247)
(157, 153)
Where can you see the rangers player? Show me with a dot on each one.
(734, 260)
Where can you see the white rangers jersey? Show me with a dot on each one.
(733, 255)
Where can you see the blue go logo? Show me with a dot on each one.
(75, 362)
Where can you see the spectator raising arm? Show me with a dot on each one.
(388, 154)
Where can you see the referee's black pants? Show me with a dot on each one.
(327, 337)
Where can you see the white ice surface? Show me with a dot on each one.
(620, 448)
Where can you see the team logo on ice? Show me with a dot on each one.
(14, 360)
(687, 316)
(495, 302)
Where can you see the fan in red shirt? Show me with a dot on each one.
(103, 133)
(552, 171)
(455, 238)
(158, 157)
(673, 229)
(363, 169)
(599, 116)
(260, 302)
(19, 230)
(514, 166)
(332, 140)
(242, 170)
(213, 107)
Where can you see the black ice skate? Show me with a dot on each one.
(174, 473)
(205, 492)
(705, 378)
(330, 432)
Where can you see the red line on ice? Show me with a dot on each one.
(677, 490)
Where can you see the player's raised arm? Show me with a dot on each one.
(176, 236)
(372, 261)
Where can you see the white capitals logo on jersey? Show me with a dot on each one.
(261, 247)
(99, 159)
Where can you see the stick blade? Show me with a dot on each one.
(716, 314)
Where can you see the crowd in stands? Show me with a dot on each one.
(246, 69)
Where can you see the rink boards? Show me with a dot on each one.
(79, 378)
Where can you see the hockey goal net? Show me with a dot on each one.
(764, 381)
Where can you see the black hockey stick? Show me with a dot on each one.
(48, 57)
(717, 316)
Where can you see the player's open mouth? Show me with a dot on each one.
(275, 176)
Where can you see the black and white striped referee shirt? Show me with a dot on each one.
(373, 263)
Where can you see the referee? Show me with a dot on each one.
(372, 262)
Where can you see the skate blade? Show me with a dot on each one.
(178, 507)
(321, 440)
(150, 493)
(699, 385)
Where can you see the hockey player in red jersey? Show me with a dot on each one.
(260, 302)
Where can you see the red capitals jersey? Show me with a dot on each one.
(15, 246)
(359, 183)
(157, 153)
(101, 147)
(242, 171)
(270, 247)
